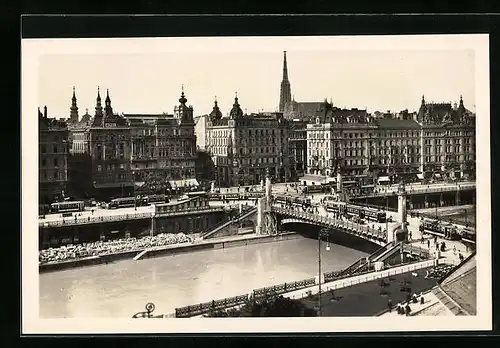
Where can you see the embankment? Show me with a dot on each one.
(222, 243)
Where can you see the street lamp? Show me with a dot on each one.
(322, 232)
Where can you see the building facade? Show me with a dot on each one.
(448, 140)
(440, 143)
(101, 152)
(243, 147)
(297, 148)
(164, 145)
(52, 158)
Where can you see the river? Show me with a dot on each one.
(123, 288)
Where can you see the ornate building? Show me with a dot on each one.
(164, 145)
(439, 143)
(448, 139)
(52, 158)
(243, 147)
(101, 154)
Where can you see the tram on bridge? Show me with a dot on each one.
(293, 201)
(351, 210)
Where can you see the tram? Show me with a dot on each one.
(300, 202)
(468, 235)
(354, 210)
(437, 228)
(149, 199)
(69, 206)
(122, 202)
(373, 214)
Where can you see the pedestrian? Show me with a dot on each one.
(422, 240)
(454, 250)
(389, 305)
(407, 310)
(428, 243)
(422, 299)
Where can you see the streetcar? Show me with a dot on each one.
(323, 188)
(373, 214)
(468, 235)
(300, 202)
(122, 202)
(68, 206)
(147, 200)
(335, 207)
(436, 228)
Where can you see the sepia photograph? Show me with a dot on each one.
(324, 183)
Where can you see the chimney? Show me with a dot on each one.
(45, 111)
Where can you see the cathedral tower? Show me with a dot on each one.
(285, 91)
(73, 115)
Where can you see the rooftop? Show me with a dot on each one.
(460, 286)
(396, 123)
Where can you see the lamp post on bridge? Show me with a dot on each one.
(322, 232)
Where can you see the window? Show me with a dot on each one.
(122, 166)
(99, 167)
(56, 175)
(55, 148)
(55, 162)
(44, 162)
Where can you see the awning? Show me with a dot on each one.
(184, 183)
(383, 178)
(420, 176)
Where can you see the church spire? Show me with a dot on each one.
(108, 109)
(285, 91)
(98, 106)
(73, 115)
(285, 68)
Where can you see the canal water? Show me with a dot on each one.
(123, 288)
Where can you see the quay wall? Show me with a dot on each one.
(225, 243)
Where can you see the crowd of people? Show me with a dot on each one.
(100, 248)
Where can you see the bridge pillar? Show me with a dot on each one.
(261, 207)
(441, 201)
(426, 201)
(402, 234)
(457, 196)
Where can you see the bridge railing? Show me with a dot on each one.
(94, 219)
(421, 190)
(191, 211)
(212, 229)
(236, 195)
(124, 217)
(351, 227)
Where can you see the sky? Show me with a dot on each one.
(150, 80)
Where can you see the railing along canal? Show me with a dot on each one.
(124, 217)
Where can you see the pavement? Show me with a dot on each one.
(429, 301)
(369, 298)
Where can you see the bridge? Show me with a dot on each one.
(287, 215)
